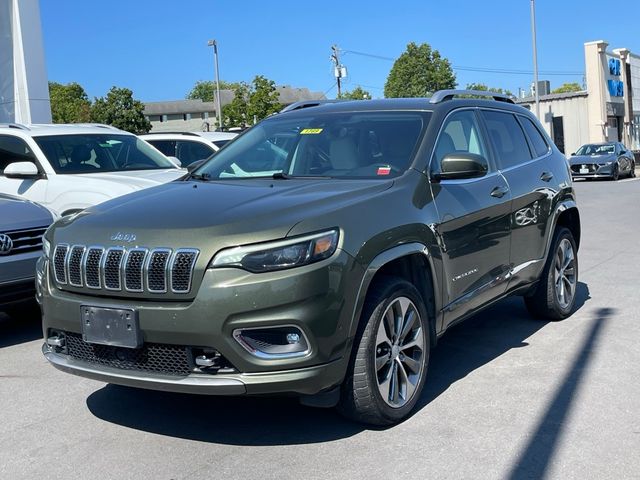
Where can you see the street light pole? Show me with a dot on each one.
(214, 44)
(535, 58)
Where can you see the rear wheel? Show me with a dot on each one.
(555, 295)
(391, 353)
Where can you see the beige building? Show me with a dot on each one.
(609, 108)
(199, 116)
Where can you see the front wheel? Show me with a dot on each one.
(632, 173)
(616, 173)
(555, 295)
(391, 353)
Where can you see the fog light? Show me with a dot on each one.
(286, 341)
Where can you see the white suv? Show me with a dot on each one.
(189, 147)
(71, 167)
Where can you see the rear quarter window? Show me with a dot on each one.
(540, 145)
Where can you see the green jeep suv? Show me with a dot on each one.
(322, 253)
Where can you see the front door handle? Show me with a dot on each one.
(499, 192)
(546, 176)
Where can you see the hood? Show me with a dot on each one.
(19, 214)
(138, 179)
(584, 159)
(213, 215)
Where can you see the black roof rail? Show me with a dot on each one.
(191, 134)
(308, 103)
(444, 95)
(19, 126)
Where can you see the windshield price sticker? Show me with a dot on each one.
(310, 131)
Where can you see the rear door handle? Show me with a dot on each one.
(546, 176)
(499, 192)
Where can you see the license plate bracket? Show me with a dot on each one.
(584, 170)
(118, 327)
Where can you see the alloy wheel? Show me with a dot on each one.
(565, 273)
(399, 352)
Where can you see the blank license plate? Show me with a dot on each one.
(584, 170)
(110, 326)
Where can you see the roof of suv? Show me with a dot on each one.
(37, 129)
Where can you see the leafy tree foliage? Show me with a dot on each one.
(568, 87)
(357, 93)
(205, 90)
(418, 72)
(251, 102)
(484, 88)
(69, 103)
(121, 110)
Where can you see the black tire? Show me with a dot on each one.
(544, 302)
(616, 173)
(632, 172)
(360, 398)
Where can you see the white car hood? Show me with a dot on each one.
(138, 179)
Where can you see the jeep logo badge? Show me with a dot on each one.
(6, 244)
(123, 237)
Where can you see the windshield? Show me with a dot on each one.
(99, 153)
(597, 149)
(337, 145)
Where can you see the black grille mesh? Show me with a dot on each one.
(112, 269)
(75, 259)
(156, 279)
(58, 263)
(92, 269)
(133, 276)
(181, 272)
(151, 357)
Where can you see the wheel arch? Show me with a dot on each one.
(412, 262)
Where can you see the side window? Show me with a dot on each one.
(507, 138)
(167, 147)
(460, 134)
(12, 150)
(189, 152)
(540, 145)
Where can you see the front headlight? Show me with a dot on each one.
(279, 255)
(46, 247)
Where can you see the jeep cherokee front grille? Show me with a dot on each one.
(159, 270)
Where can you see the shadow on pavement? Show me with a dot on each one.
(283, 421)
(25, 325)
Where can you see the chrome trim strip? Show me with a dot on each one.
(125, 268)
(103, 267)
(68, 265)
(190, 275)
(237, 335)
(84, 266)
(64, 263)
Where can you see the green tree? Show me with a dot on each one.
(69, 103)
(418, 72)
(121, 110)
(484, 88)
(568, 87)
(251, 102)
(357, 93)
(205, 89)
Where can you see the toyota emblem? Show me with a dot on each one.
(6, 244)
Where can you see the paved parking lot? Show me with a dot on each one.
(506, 397)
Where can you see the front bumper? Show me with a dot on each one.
(318, 299)
(595, 171)
(17, 282)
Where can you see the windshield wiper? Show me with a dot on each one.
(286, 176)
(199, 176)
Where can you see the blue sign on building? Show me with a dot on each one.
(614, 67)
(616, 88)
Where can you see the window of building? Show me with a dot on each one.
(508, 139)
(537, 139)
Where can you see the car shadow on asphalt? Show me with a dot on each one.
(259, 421)
(24, 326)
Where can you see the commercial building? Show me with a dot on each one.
(196, 115)
(607, 110)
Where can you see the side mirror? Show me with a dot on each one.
(460, 165)
(572, 154)
(24, 170)
(176, 160)
(192, 166)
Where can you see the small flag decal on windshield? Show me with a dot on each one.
(384, 170)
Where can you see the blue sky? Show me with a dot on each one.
(158, 48)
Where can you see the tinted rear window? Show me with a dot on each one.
(537, 139)
(508, 139)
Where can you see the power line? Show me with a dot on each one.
(476, 69)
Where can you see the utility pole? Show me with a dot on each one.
(535, 58)
(214, 44)
(335, 56)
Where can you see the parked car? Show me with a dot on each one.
(328, 272)
(22, 225)
(70, 167)
(595, 160)
(189, 147)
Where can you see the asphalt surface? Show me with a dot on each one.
(507, 397)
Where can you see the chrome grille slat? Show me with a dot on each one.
(135, 270)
